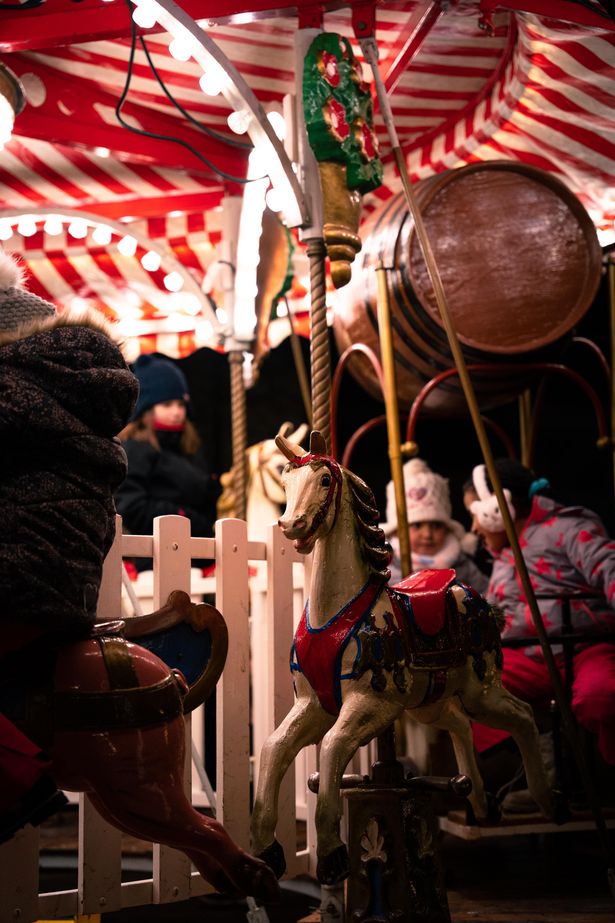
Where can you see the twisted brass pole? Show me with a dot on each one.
(320, 359)
(239, 431)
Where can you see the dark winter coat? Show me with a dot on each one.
(165, 482)
(65, 391)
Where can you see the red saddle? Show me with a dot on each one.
(427, 592)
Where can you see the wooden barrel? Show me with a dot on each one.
(520, 264)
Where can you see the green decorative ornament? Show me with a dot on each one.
(338, 111)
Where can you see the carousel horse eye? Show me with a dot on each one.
(325, 480)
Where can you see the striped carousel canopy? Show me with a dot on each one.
(117, 127)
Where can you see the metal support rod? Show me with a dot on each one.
(525, 425)
(392, 415)
(571, 729)
(300, 369)
(239, 431)
(320, 358)
(611, 272)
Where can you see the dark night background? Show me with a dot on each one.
(566, 450)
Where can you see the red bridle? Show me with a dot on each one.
(334, 492)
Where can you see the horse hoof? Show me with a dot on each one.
(492, 817)
(333, 868)
(560, 810)
(274, 857)
(262, 884)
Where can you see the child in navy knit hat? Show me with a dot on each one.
(167, 469)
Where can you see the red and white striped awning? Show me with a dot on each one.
(537, 90)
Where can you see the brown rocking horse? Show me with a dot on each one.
(109, 712)
(364, 652)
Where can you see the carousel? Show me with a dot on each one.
(365, 232)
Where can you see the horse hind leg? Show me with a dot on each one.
(499, 708)
(457, 723)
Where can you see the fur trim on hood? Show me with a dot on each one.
(82, 318)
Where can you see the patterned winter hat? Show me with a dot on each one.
(17, 305)
(427, 497)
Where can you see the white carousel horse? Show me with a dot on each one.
(364, 653)
(265, 495)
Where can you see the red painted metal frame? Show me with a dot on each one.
(416, 31)
(560, 10)
(62, 22)
(70, 116)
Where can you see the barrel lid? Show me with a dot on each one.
(518, 255)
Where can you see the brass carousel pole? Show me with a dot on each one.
(525, 425)
(370, 52)
(392, 415)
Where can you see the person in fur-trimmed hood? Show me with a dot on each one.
(65, 392)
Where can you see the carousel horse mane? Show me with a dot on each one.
(374, 547)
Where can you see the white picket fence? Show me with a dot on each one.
(258, 657)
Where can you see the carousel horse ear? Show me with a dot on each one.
(289, 449)
(318, 446)
(286, 429)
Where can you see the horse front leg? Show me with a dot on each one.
(363, 716)
(305, 724)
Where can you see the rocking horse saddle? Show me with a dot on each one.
(110, 681)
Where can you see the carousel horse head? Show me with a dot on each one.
(109, 710)
(365, 652)
(315, 484)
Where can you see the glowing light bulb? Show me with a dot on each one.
(173, 282)
(127, 246)
(144, 15)
(151, 261)
(78, 228)
(203, 332)
(102, 151)
(27, 226)
(278, 123)
(239, 122)
(180, 49)
(6, 231)
(274, 200)
(102, 234)
(53, 225)
(212, 81)
(191, 304)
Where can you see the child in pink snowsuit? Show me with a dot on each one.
(565, 549)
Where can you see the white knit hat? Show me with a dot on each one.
(17, 305)
(427, 498)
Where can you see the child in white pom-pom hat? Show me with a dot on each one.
(436, 540)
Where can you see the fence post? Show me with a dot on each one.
(171, 565)
(233, 690)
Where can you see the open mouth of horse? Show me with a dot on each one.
(304, 545)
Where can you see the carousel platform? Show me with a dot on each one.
(550, 875)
